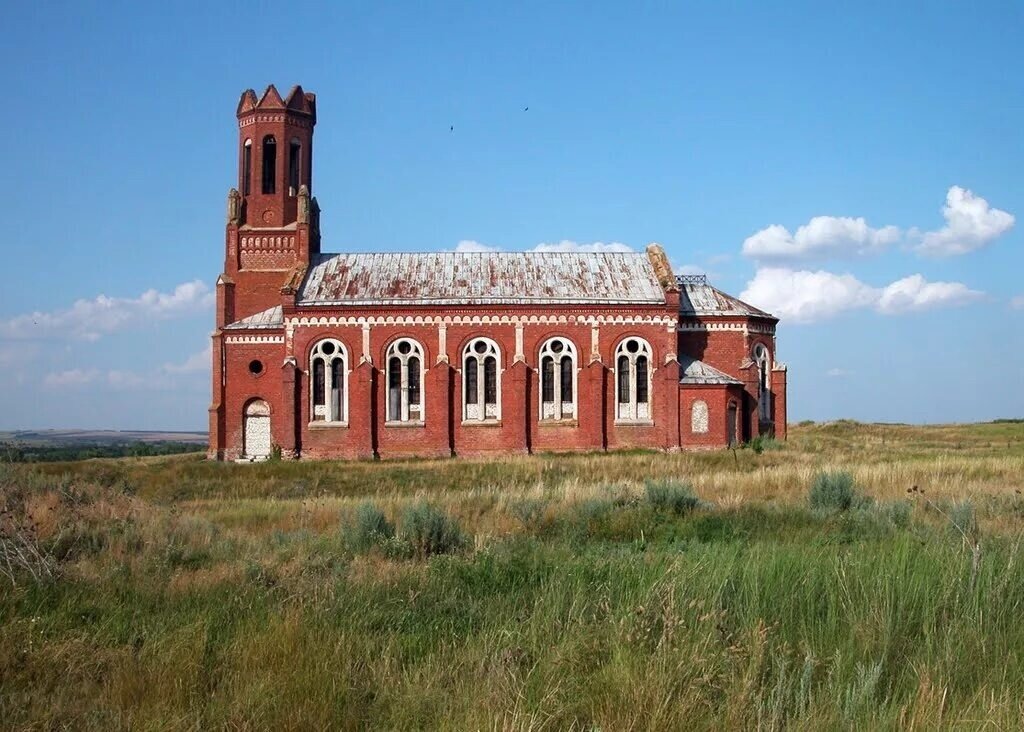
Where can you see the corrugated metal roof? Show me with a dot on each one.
(459, 278)
(269, 318)
(697, 297)
(698, 372)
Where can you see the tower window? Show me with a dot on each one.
(294, 150)
(247, 168)
(269, 164)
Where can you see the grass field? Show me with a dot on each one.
(612, 592)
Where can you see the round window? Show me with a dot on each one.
(632, 346)
(255, 367)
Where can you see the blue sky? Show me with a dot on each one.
(891, 132)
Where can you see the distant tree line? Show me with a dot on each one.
(13, 452)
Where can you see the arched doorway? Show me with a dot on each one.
(256, 439)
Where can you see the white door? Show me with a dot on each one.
(257, 430)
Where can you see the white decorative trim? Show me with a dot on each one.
(592, 320)
(519, 356)
(254, 339)
(442, 343)
(734, 327)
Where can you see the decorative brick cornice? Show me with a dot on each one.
(315, 321)
(254, 339)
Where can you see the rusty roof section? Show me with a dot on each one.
(471, 278)
(269, 318)
(698, 298)
(693, 371)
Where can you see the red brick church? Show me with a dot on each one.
(390, 354)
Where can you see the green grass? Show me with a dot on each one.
(576, 595)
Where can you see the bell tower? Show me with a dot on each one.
(275, 154)
(273, 222)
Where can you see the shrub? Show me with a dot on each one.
(530, 512)
(368, 528)
(963, 519)
(763, 442)
(428, 530)
(899, 513)
(833, 491)
(677, 498)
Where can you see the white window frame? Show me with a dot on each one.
(632, 411)
(762, 358)
(325, 412)
(481, 411)
(558, 409)
(406, 412)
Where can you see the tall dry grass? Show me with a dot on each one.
(194, 595)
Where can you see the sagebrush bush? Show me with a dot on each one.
(832, 491)
(677, 498)
(369, 527)
(964, 520)
(428, 531)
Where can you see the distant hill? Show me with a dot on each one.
(74, 438)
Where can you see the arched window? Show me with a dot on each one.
(294, 150)
(699, 417)
(246, 168)
(633, 380)
(481, 380)
(269, 164)
(557, 379)
(404, 376)
(328, 371)
(762, 358)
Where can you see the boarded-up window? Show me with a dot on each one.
(699, 417)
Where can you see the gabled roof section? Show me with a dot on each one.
(271, 99)
(464, 278)
(247, 103)
(269, 318)
(300, 101)
(697, 298)
(693, 371)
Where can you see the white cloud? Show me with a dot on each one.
(687, 269)
(571, 246)
(1017, 302)
(198, 362)
(91, 319)
(802, 296)
(468, 245)
(914, 293)
(167, 376)
(822, 236)
(838, 373)
(566, 245)
(71, 377)
(970, 224)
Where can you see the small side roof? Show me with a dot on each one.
(269, 318)
(697, 298)
(698, 372)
